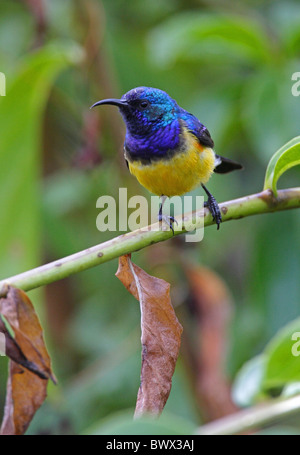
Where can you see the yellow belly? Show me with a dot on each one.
(178, 175)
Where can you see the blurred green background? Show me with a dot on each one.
(229, 63)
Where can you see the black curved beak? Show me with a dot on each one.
(113, 101)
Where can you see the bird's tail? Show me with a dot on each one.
(224, 165)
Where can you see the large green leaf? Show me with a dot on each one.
(285, 158)
(246, 389)
(283, 361)
(209, 36)
(21, 114)
(278, 367)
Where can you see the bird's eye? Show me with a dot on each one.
(144, 104)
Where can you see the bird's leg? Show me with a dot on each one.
(167, 218)
(213, 207)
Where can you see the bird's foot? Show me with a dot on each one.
(169, 219)
(213, 207)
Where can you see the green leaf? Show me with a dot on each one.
(21, 113)
(122, 423)
(209, 36)
(247, 385)
(285, 158)
(283, 362)
(291, 389)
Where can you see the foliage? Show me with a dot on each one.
(230, 66)
(286, 157)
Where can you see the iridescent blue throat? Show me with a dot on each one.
(158, 143)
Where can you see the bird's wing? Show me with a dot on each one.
(222, 165)
(197, 128)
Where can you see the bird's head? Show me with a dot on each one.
(145, 109)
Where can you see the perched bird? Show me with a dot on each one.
(168, 149)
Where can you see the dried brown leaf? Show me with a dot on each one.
(161, 334)
(30, 366)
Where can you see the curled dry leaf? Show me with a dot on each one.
(30, 366)
(161, 334)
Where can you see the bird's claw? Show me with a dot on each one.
(213, 207)
(169, 219)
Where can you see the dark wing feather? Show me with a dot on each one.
(226, 165)
(205, 137)
(197, 128)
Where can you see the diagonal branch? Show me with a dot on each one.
(254, 204)
(253, 418)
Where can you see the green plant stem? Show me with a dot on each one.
(254, 418)
(254, 204)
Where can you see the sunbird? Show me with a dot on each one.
(167, 148)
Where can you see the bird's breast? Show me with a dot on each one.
(190, 165)
(155, 143)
